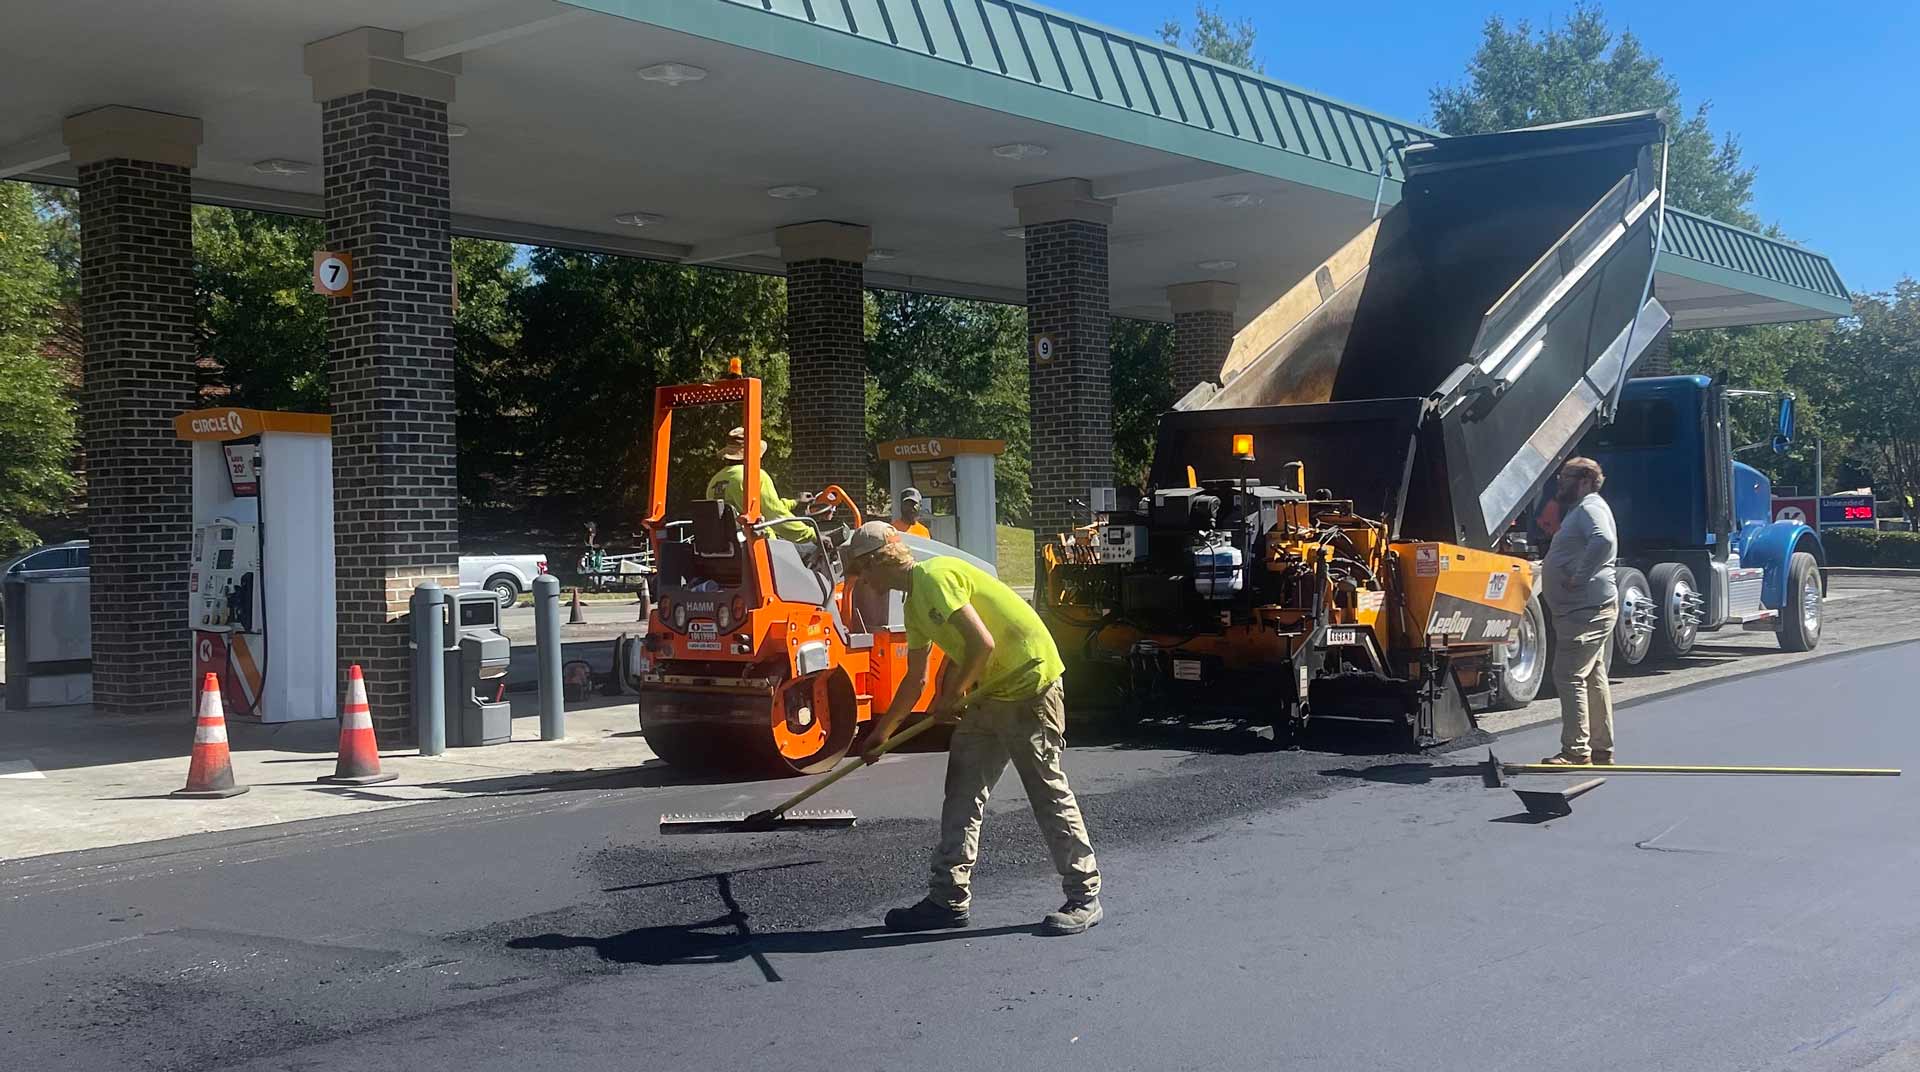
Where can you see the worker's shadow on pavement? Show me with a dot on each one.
(727, 939)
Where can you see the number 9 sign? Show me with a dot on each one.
(332, 273)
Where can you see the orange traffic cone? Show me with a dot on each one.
(575, 616)
(359, 762)
(210, 774)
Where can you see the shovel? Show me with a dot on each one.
(782, 816)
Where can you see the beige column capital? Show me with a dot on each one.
(1061, 199)
(116, 131)
(824, 240)
(372, 58)
(1206, 296)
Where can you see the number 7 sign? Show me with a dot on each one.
(332, 273)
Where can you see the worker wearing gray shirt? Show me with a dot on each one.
(1578, 574)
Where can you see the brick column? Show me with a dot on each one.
(137, 305)
(391, 364)
(1071, 412)
(1202, 331)
(827, 355)
(1658, 358)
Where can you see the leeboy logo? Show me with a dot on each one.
(228, 422)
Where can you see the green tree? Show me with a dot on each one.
(36, 408)
(1523, 76)
(260, 321)
(598, 334)
(1143, 389)
(1218, 38)
(945, 366)
(489, 385)
(1790, 358)
(1871, 384)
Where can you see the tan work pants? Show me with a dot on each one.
(1581, 642)
(1031, 733)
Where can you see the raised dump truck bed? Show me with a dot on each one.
(1319, 540)
(1470, 335)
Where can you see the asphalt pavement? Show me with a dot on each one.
(1266, 910)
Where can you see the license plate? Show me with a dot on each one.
(1342, 636)
(703, 645)
(1186, 670)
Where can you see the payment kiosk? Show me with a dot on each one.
(957, 478)
(260, 591)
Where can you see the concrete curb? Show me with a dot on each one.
(1872, 571)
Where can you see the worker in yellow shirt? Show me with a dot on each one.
(908, 514)
(1006, 693)
(730, 484)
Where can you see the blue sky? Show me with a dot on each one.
(1824, 97)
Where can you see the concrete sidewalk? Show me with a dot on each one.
(73, 779)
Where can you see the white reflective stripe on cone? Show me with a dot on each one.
(210, 733)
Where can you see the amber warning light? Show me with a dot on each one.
(1243, 447)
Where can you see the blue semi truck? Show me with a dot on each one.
(1699, 548)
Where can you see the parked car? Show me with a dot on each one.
(506, 576)
(59, 559)
(67, 559)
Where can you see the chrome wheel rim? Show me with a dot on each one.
(1636, 619)
(1810, 604)
(1523, 650)
(1682, 610)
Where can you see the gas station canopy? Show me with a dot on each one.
(688, 130)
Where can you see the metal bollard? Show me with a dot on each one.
(546, 655)
(427, 612)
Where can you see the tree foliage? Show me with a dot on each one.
(1871, 384)
(945, 366)
(260, 321)
(1143, 389)
(36, 408)
(1218, 38)
(1524, 76)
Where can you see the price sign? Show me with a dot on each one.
(1802, 508)
(1846, 511)
(332, 273)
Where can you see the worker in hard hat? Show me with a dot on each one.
(730, 484)
(1007, 675)
(907, 513)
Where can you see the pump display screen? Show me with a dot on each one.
(223, 559)
(474, 612)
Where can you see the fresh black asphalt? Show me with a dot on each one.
(1266, 910)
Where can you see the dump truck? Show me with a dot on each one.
(1700, 549)
(760, 656)
(1325, 532)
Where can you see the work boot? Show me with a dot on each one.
(1073, 917)
(924, 915)
(1561, 759)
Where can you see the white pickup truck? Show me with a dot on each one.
(506, 576)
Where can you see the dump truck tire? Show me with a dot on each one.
(1801, 617)
(1526, 669)
(1633, 633)
(1676, 627)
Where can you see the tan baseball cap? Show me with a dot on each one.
(869, 538)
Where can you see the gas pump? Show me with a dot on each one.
(260, 590)
(957, 478)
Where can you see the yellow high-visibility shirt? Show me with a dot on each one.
(730, 484)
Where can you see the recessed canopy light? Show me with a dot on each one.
(1239, 200)
(639, 219)
(882, 254)
(1217, 266)
(1014, 232)
(282, 167)
(456, 130)
(672, 74)
(792, 193)
(1019, 150)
